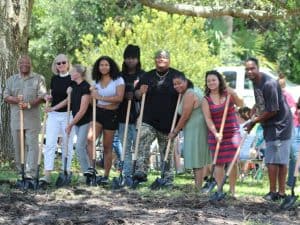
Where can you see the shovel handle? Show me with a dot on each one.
(172, 127)
(20, 97)
(43, 134)
(221, 128)
(94, 130)
(140, 120)
(126, 130)
(237, 153)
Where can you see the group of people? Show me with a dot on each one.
(200, 118)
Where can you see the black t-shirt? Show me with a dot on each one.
(129, 80)
(79, 90)
(269, 98)
(161, 99)
(59, 86)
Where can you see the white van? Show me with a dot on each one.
(236, 78)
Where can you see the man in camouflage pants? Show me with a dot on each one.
(160, 104)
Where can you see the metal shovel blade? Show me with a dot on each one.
(288, 202)
(118, 182)
(64, 179)
(25, 184)
(209, 186)
(217, 196)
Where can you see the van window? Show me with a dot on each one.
(230, 77)
(248, 85)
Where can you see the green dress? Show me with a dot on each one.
(195, 146)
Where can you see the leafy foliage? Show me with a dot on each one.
(183, 36)
(57, 26)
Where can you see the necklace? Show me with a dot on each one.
(161, 77)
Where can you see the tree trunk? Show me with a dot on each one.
(14, 35)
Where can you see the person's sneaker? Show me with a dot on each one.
(271, 196)
(281, 197)
(45, 179)
(103, 181)
(90, 172)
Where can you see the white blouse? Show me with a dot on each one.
(110, 90)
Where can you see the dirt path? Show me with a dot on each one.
(95, 205)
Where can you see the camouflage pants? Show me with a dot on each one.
(148, 135)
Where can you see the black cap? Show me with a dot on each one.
(132, 51)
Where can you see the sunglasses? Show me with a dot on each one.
(63, 62)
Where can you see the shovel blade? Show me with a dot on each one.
(209, 186)
(288, 202)
(117, 183)
(25, 184)
(217, 196)
(160, 183)
(63, 179)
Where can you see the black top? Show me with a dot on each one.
(269, 98)
(130, 81)
(79, 90)
(161, 99)
(59, 86)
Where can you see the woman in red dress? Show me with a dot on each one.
(216, 93)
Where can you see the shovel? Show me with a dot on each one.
(37, 183)
(219, 195)
(91, 178)
(21, 183)
(290, 200)
(65, 178)
(131, 181)
(211, 182)
(119, 182)
(161, 182)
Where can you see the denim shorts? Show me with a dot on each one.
(107, 118)
(277, 152)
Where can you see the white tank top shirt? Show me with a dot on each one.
(110, 90)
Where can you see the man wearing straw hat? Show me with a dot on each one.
(160, 104)
(25, 91)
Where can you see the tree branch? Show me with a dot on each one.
(218, 11)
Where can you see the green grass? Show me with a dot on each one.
(184, 183)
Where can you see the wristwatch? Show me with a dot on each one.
(28, 106)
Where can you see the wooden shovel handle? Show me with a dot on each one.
(139, 125)
(94, 129)
(237, 153)
(21, 131)
(43, 134)
(221, 128)
(124, 143)
(172, 127)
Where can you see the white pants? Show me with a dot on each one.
(56, 126)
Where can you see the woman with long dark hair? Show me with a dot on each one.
(109, 92)
(213, 105)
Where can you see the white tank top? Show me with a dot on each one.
(110, 90)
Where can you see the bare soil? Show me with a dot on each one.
(98, 205)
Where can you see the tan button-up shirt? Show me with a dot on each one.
(31, 87)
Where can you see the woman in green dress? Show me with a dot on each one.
(195, 147)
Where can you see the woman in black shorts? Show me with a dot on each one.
(108, 92)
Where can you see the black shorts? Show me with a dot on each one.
(107, 118)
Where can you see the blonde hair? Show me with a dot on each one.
(59, 57)
(79, 69)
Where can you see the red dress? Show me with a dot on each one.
(231, 134)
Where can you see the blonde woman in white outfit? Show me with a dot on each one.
(57, 116)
